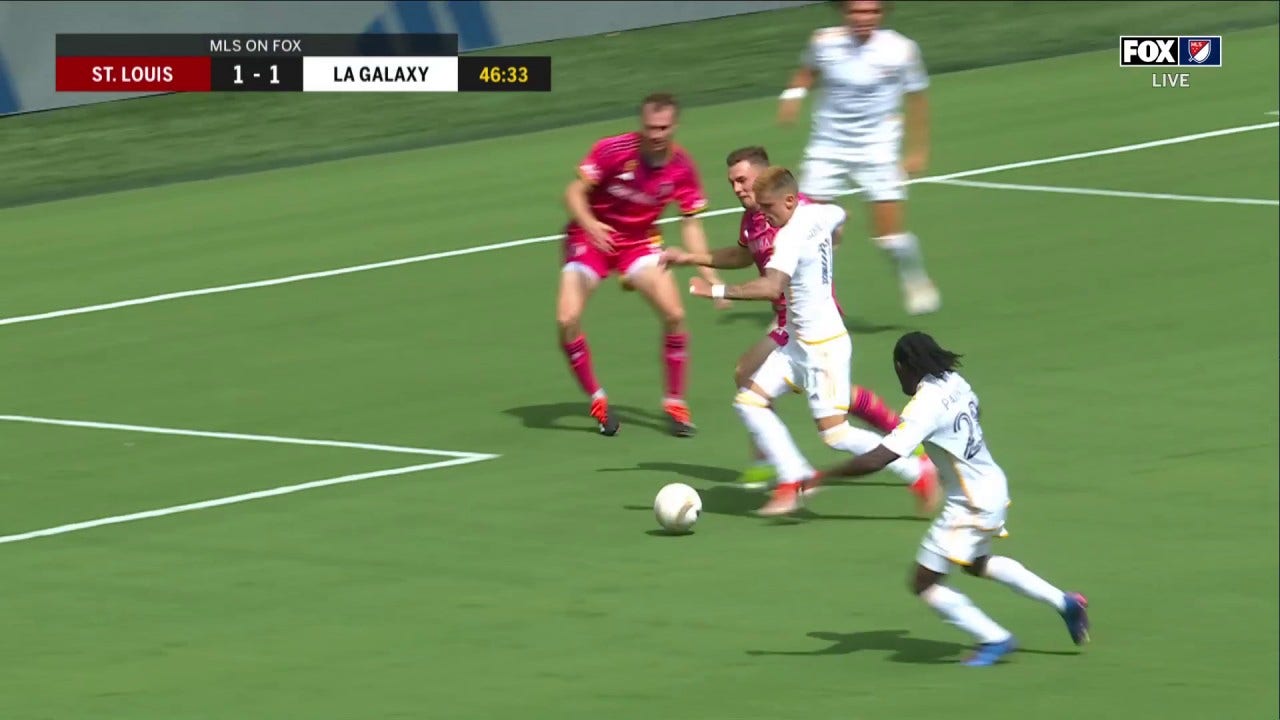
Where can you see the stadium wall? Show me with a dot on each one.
(27, 29)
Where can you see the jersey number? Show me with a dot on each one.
(969, 420)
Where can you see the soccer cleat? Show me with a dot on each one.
(1077, 618)
(678, 414)
(758, 476)
(989, 654)
(926, 488)
(921, 297)
(600, 411)
(784, 500)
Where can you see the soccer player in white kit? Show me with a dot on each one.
(867, 73)
(818, 351)
(944, 415)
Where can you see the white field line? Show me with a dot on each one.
(1273, 112)
(239, 436)
(150, 299)
(455, 458)
(1108, 193)
(233, 499)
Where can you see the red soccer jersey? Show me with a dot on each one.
(629, 195)
(756, 235)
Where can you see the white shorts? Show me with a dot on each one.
(818, 370)
(959, 536)
(826, 178)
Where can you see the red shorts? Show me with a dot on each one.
(628, 257)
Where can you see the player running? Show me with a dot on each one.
(816, 355)
(624, 184)
(755, 244)
(866, 72)
(943, 414)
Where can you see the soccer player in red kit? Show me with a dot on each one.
(624, 184)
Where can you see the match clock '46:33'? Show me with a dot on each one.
(504, 74)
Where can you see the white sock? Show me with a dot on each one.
(957, 610)
(904, 248)
(858, 441)
(772, 437)
(1014, 574)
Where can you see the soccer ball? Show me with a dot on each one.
(677, 507)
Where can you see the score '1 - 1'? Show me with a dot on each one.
(275, 75)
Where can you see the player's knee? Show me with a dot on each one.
(673, 319)
(748, 400)
(569, 320)
(834, 435)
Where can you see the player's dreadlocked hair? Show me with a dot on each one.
(922, 355)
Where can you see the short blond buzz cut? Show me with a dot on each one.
(775, 179)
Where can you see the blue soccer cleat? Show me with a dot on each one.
(1077, 618)
(990, 653)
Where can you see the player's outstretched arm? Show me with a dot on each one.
(791, 99)
(867, 463)
(766, 287)
(725, 258)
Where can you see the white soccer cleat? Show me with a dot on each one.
(921, 298)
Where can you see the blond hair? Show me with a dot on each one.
(775, 179)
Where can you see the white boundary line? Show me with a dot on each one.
(239, 436)
(456, 458)
(150, 299)
(1107, 193)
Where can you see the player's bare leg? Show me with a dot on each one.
(576, 287)
(760, 473)
(888, 228)
(658, 286)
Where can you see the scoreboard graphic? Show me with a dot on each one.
(287, 63)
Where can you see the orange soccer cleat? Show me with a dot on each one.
(678, 413)
(600, 411)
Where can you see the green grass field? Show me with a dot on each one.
(1125, 350)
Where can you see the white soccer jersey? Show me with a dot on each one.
(943, 416)
(803, 250)
(861, 88)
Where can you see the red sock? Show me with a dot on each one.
(871, 408)
(580, 363)
(675, 356)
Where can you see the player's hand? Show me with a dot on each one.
(713, 279)
(788, 111)
(675, 256)
(600, 235)
(699, 287)
(915, 162)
